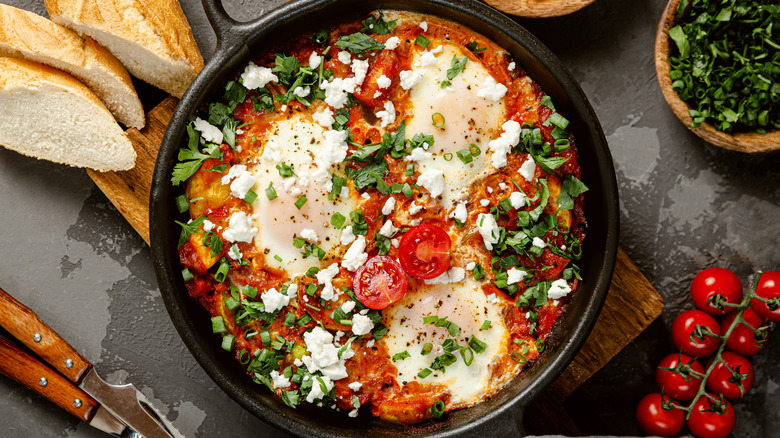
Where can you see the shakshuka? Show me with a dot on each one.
(382, 216)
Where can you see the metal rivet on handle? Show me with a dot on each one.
(37, 337)
(77, 403)
(43, 381)
(69, 363)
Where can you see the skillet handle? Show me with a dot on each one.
(228, 30)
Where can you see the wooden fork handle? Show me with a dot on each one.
(28, 328)
(20, 366)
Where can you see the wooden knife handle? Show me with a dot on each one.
(26, 370)
(25, 326)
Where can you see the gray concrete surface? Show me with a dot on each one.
(67, 253)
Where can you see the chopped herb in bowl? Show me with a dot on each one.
(727, 63)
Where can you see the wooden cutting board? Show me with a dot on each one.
(631, 304)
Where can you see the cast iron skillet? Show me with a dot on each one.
(502, 414)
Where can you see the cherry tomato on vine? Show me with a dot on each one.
(689, 333)
(654, 419)
(711, 419)
(743, 339)
(424, 251)
(727, 380)
(379, 282)
(768, 287)
(714, 286)
(680, 385)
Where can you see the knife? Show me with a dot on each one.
(91, 399)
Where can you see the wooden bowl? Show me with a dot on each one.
(539, 8)
(742, 142)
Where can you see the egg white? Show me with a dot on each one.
(279, 221)
(469, 119)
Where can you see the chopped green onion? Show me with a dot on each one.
(250, 197)
(486, 325)
(300, 202)
(437, 410)
(445, 84)
(232, 303)
(265, 338)
(477, 345)
(465, 156)
(467, 355)
(312, 272)
(182, 204)
(270, 192)
(438, 120)
(448, 156)
(422, 41)
(221, 274)
(410, 169)
(407, 190)
(218, 325)
(559, 121)
(337, 220)
(400, 356)
(425, 372)
(478, 272)
(426, 349)
(227, 342)
(186, 274)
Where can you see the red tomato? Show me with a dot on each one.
(682, 385)
(379, 282)
(424, 251)
(717, 424)
(370, 93)
(655, 420)
(716, 281)
(683, 329)
(743, 339)
(768, 287)
(727, 382)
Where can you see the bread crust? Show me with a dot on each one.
(539, 8)
(29, 36)
(159, 26)
(105, 148)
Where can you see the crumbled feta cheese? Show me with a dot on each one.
(424, 26)
(377, 93)
(538, 242)
(419, 154)
(433, 180)
(257, 77)
(484, 202)
(460, 213)
(333, 150)
(344, 57)
(208, 132)
(493, 298)
(324, 118)
(415, 222)
(471, 266)
(504, 143)
(271, 152)
(292, 290)
(273, 300)
(389, 206)
(310, 235)
(386, 116)
(555, 303)
(563, 247)
(488, 229)
(528, 169)
(502, 186)
(361, 325)
(490, 189)
(355, 255)
(365, 195)
(316, 392)
(353, 413)
(324, 354)
(283, 108)
(208, 225)
(359, 69)
(314, 60)
(518, 199)
(383, 82)
(279, 380)
(388, 230)
(235, 253)
(511, 66)
(335, 95)
(347, 236)
(414, 208)
(297, 362)
(370, 343)
(355, 386)
(514, 275)
(409, 78)
(302, 91)
(492, 90)
(243, 180)
(348, 306)
(240, 228)
(558, 289)
(324, 277)
(395, 242)
(392, 43)
(428, 58)
(453, 275)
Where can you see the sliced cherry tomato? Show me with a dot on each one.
(714, 286)
(688, 333)
(743, 339)
(379, 282)
(710, 419)
(424, 251)
(655, 419)
(733, 381)
(680, 385)
(768, 287)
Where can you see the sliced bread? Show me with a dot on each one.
(27, 35)
(48, 114)
(152, 38)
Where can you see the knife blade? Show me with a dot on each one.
(124, 402)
